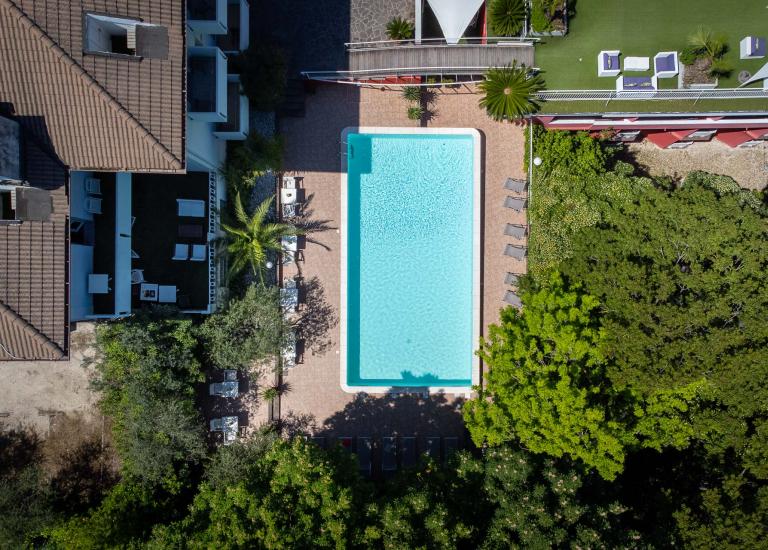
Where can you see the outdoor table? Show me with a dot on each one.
(637, 63)
(166, 294)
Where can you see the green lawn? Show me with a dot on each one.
(644, 28)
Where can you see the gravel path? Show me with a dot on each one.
(749, 167)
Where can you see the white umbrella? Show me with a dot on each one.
(454, 16)
(762, 74)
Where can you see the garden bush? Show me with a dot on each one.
(690, 54)
(263, 73)
(540, 20)
(400, 29)
(251, 159)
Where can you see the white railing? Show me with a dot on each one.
(469, 41)
(606, 95)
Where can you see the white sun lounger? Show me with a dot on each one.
(515, 203)
(515, 251)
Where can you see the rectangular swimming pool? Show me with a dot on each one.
(410, 259)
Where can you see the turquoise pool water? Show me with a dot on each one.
(410, 259)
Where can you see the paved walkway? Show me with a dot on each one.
(369, 19)
(315, 399)
(33, 393)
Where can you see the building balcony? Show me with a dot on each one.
(207, 84)
(236, 127)
(237, 38)
(207, 16)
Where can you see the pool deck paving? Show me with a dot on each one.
(315, 401)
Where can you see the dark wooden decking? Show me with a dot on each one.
(456, 59)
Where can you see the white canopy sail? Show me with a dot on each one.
(454, 16)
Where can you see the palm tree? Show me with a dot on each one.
(714, 45)
(506, 17)
(400, 29)
(510, 92)
(249, 242)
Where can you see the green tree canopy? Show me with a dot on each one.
(147, 371)
(682, 275)
(547, 386)
(249, 330)
(507, 499)
(284, 495)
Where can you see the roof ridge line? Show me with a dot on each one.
(90, 81)
(33, 333)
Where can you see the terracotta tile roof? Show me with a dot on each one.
(34, 320)
(96, 112)
(21, 341)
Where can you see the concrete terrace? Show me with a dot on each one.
(315, 400)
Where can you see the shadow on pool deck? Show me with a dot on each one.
(386, 416)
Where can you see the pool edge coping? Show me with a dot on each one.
(476, 258)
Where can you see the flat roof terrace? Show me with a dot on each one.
(643, 28)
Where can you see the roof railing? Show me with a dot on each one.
(468, 41)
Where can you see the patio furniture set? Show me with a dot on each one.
(229, 425)
(519, 252)
(665, 65)
(190, 251)
(392, 452)
(290, 205)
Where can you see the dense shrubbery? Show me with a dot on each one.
(263, 73)
(251, 159)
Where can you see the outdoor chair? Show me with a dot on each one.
(515, 251)
(512, 279)
(388, 454)
(198, 252)
(518, 186)
(230, 375)
(137, 276)
(181, 252)
(216, 425)
(433, 448)
(364, 455)
(515, 203)
(408, 451)
(289, 182)
(515, 230)
(512, 299)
